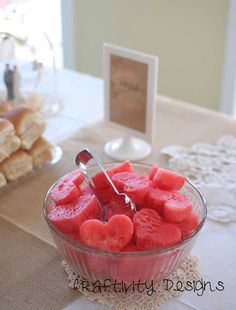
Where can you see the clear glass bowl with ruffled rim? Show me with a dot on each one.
(94, 264)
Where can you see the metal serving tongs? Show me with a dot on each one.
(81, 160)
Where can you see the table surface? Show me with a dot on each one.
(82, 97)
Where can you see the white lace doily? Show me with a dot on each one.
(188, 271)
(212, 168)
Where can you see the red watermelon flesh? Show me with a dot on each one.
(103, 189)
(178, 208)
(73, 236)
(156, 199)
(131, 245)
(167, 234)
(125, 166)
(113, 235)
(120, 179)
(133, 268)
(98, 265)
(151, 233)
(152, 172)
(131, 248)
(75, 176)
(137, 189)
(64, 192)
(100, 180)
(86, 191)
(133, 184)
(105, 195)
(168, 180)
(147, 218)
(189, 225)
(68, 218)
(116, 206)
(146, 223)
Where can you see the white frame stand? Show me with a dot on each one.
(134, 145)
(127, 148)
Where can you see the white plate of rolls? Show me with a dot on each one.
(22, 147)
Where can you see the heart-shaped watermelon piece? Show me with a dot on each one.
(151, 233)
(113, 235)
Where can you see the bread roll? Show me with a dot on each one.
(40, 152)
(29, 125)
(9, 142)
(4, 107)
(16, 165)
(2, 180)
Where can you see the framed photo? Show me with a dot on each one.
(130, 79)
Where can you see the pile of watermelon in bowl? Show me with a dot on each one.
(107, 240)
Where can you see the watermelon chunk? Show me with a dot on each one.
(116, 206)
(125, 166)
(167, 234)
(152, 172)
(64, 192)
(156, 198)
(168, 180)
(178, 208)
(103, 189)
(113, 235)
(105, 195)
(86, 191)
(131, 248)
(137, 189)
(189, 225)
(146, 223)
(133, 184)
(68, 218)
(75, 176)
(151, 233)
(147, 218)
(100, 180)
(121, 178)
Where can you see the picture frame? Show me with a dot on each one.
(130, 90)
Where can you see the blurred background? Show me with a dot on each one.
(194, 40)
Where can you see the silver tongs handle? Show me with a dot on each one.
(81, 160)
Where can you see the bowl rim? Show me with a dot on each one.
(85, 248)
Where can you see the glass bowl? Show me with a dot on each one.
(95, 264)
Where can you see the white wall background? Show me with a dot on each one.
(187, 35)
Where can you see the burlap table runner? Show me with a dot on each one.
(31, 273)
(21, 204)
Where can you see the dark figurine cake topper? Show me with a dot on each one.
(9, 82)
(12, 81)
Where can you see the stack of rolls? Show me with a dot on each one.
(22, 146)
(4, 107)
